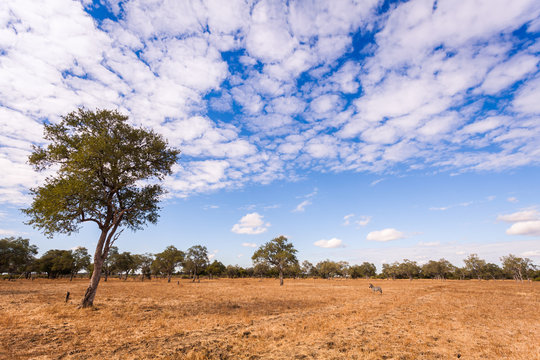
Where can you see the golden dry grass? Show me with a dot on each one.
(252, 319)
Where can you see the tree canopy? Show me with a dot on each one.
(108, 173)
(279, 253)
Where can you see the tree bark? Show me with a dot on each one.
(90, 294)
(280, 277)
(169, 278)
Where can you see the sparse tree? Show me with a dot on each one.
(307, 269)
(390, 270)
(81, 260)
(108, 263)
(196, 260)
(278, 253)
(167, 261)
(517, 267)
(145, 264)
(16, 255)
(216, 268)
(104, 165)
(409, 269)
(438, 269)
(124, 263)
(474, 265)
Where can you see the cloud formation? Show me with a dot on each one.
(303, 94)
(384, 235)
(525, 222)
(329, 244)
(251, 224)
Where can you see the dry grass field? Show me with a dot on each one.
(252, 319)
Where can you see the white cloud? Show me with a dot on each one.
(512, 199)
(250, 224)
(385, 235)
(248, 244)
(520, 216)
(363, 220)
(329, 244)
(161, 60)
(347, 219)
(302, 206)
(530, 228)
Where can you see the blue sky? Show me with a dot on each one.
(370, 131)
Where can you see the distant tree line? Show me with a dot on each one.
(275, 259)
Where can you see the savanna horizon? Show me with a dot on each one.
(258, 319)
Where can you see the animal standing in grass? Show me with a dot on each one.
(375, 288)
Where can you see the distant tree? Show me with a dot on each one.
(474, 265)
(104, 165)
(390, 270)
(438, 269)
(216, 268)
(262, 269)
(409, 269)
(16, 255)
(167, 261)
(278, 253)
(81, 260)
(366, 270)
(307, 269)
(492, 271)
(145, 264)
(328, 269)
(109, 263)
(196, 260)
(124, 263)
(517, 267)
(55, 263)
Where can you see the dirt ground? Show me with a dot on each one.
(253, 319)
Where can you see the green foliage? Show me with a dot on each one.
(474, 265)
(518, 268)
(56, 262)
(277, 253)
(102, 161)
(366, 270)
(166, 261)
(16, 255)
(216, 268)
(409, 269)
(328, 269)
(441, 269)
(196, 259)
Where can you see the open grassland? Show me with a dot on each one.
(252, 319)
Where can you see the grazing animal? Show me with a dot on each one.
(375, 288)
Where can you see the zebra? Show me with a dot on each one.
(375, 288)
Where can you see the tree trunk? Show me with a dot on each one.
(280, 277)
(71, 277)
(90, 294)
(169, 278)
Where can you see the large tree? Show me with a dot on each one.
(106, 172)
(279, 253)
